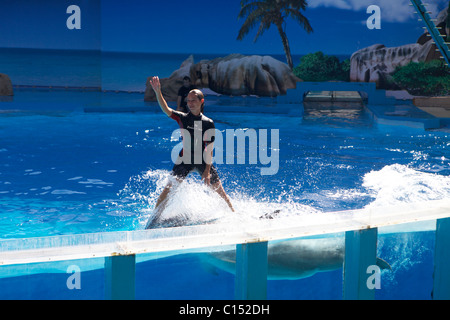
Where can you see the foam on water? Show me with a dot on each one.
(192, 202)
(397, 184)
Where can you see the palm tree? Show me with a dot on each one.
(268, 12)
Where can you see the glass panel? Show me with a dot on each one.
(194, 275)
(75, 279)
(410, 255)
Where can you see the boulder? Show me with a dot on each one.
(234, 74)
(246, 75)
(6, 88)
(377, 62)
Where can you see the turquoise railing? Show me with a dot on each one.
(438, 39)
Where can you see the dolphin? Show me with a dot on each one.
(181, 219)
(289, 259)
(293, 259)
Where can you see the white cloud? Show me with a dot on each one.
(340, 4)
(391, 10)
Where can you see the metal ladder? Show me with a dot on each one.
(432, 30)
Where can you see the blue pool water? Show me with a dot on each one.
(87, 172)
(66, 168)
(70, 172)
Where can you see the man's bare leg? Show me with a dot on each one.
(217, 187)
(162, 197)
(160, 205)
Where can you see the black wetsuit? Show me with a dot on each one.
(191, 123)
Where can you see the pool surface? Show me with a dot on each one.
(69, 171)
(87, 172)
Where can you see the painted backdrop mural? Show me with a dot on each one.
(233, 47)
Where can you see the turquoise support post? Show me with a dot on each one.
(120, 273)
(251, 271)
(360, 254)
(441, 276)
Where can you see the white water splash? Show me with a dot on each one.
(397, 184)
(192, 202)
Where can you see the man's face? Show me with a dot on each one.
(194, 104)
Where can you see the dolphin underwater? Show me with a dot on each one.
(293, 259)
(287, 259)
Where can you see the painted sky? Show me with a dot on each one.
(201, 26)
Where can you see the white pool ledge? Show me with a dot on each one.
(105, 244)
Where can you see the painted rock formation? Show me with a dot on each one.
(377, 62)
(231, 75)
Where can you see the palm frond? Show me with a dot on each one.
(252, 20)
(268, 12)
(250, 7)
(264, 25)
(301, 19)
(297, 4)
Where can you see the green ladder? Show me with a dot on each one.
(433, 30)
